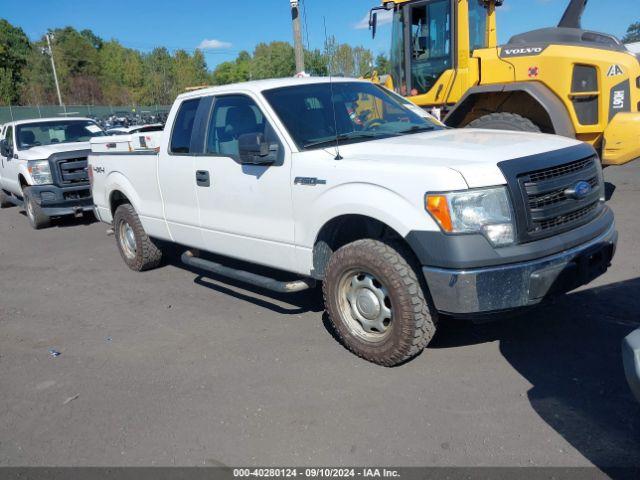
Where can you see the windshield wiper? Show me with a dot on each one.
(341, 138)
(417, 129)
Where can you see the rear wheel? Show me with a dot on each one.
(138, 251)
(376, 304)
(4, 200)
(37, 218)
(505, 121)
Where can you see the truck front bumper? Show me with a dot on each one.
(59, 201)
(507, 287)
(631, 360)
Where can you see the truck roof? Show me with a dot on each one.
(262, 85)
(48, 119)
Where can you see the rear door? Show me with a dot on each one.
(176, 171)
(245, 210)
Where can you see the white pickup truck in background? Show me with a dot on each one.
(401, 219)
(43, 167)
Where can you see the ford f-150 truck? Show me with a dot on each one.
(43, 167)
(340, 182)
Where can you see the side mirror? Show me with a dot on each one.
(373, 24)
(5, 149)
(254, 150)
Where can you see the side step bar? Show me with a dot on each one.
(189, 258)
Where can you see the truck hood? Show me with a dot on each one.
(45, 151)
(473, 153)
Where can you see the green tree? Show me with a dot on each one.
(273, 60)
(633, 33)
(160, 84)
(382, 64)
(78, 66)
(15, 50)
(316, 63)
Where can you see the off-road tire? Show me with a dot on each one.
(147, 254)
(505, 121)
(4, 200)
(412, 325)
(37, 218)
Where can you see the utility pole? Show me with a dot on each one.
(297, 36)
(53, 66)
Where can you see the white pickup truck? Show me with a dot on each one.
(43, 167)
(343, 182)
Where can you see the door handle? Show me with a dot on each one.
(202, 178)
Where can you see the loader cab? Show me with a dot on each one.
(432, 40)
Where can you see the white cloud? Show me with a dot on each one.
(384, 17)
(213, 44)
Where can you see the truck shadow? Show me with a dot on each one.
(281, 303)
(570, 351)
(70, 221)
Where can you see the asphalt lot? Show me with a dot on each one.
(171, 368)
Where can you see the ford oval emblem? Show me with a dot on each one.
(579, 190)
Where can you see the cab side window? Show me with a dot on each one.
(233, 116)
(183, 127)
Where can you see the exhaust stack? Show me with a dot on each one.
(572, 17)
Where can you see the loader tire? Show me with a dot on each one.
(138, 251)
(376, 305)
(505, 121)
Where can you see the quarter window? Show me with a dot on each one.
(183, 126)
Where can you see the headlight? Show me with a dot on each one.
(486, 211)
(40, 172)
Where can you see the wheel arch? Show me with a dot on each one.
(529, 99)
(118, 190)
(348, 228)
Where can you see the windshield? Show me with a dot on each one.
(316, 114)
(56, 131)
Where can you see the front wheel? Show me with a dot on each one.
(376, 304)
(138, 251)
(37, 218)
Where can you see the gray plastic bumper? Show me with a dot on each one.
(631, 360)
(506, 287)
(60, 201)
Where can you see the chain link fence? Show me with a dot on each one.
(9, 114)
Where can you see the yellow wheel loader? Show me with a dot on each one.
(563, 80)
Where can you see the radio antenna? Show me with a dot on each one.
(333, 105)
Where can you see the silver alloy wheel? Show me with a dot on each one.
(30, 213)
(365, 306)
(127, 239)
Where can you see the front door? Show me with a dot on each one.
(245, 210)
(10, 166)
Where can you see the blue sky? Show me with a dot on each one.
(236, 25)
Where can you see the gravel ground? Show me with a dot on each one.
(173, 368)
